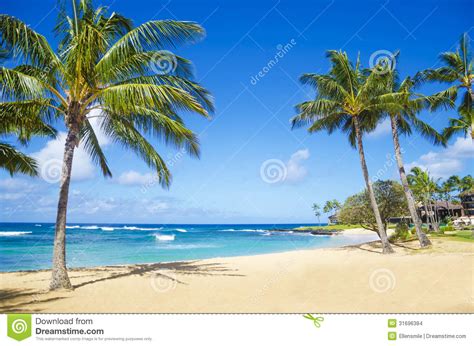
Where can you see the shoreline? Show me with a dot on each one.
(354, 231)
(326, 280)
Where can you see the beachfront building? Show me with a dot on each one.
(467, 201)
(333, 219)
(441, 209)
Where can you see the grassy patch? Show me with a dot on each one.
(465, 236)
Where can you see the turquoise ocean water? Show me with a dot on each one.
(25, 246)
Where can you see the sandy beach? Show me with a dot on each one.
(349, 279)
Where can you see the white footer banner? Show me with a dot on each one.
(237, 329)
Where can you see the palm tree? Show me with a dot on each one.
(104, 63)
(349, 100)
(404, 120)
(317, 211)
(457, 70)
(424, 188)
(16, 123)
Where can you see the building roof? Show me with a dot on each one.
(442, 205)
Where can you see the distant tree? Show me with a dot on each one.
(390, 198)
(425, 187)
(331, 206)
(317, 211)
(467, 183)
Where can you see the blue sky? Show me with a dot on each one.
(230, 183)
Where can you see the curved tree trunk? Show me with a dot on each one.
(471, 92)
(387, 248)
(427, 214)
(433, 216)
(59, 277)
(423, 239)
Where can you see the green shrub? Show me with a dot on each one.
(446, 229)
(402, 232)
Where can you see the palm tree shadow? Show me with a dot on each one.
(175, 268)
(373, 246)
(21, 300)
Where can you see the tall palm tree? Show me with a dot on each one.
(458, 71)
(425, 187)
(349, 100)
(14, 122)
(403, 121)
(104, 63)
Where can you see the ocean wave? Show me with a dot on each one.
(13, 234)
(187, 246)
(161, 237)
(71, 226)
(243, 230)
(107, 228)
(180, 230)
(37, 225)
(134, 228)
(89, 227)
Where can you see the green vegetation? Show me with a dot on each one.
(390, 199)
(402, 233)
(338, 227)
(105, 68)
(457, 71)
(464, 235)
(351, 100)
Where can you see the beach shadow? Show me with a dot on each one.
(375, 247)
(28, 300)
(176, 268)
(24, 300)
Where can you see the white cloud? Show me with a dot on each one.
(51, 155)
(382, 129)
(157, 207)
(134, 178)
(449, 161)
(295, 171)
(12, 184)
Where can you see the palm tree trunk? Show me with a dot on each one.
(423, 239)
(387, 248)
(469, 89)
(433, 217)
(59, 277)
(427, 214)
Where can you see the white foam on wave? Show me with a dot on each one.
(107, 228)
(187, 246)
(90, 227)
(13, 234)
(134, 228)
(37, 225)
(244, 230)
(161, 237)
(180, 230)
(72, 226)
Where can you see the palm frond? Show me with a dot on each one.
(15, 161)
